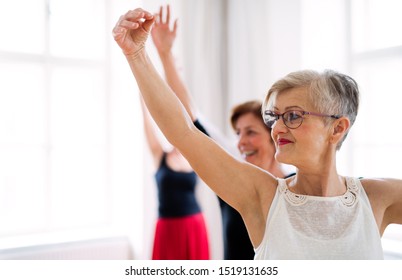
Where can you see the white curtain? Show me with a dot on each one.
(234, 50)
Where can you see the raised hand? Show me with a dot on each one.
(132, 29)
(162, 35)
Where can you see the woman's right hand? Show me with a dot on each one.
(131, 31)
(162, 35)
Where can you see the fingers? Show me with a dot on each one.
(160, 14)
(147, 25)
(157, 19)
(133, 19)
(129, 24)
(138, 14)
(119, 31)
(175, 27)
(168, 14)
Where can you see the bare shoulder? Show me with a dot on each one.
(385, 190)
(380, 185)
(385, 195)
(372, 184)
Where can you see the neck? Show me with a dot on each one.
(275, 169)
(321, 181)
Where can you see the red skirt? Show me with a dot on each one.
(182, 238)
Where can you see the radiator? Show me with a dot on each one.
(115, 248)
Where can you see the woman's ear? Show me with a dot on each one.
(340, 128)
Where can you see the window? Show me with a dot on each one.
(376, 62)
(54, 116)
(361, 38)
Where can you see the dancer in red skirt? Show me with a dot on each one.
(181, 233)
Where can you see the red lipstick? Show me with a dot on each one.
(283, 141)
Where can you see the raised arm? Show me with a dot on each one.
(247, 188)
(163, 37)
(150, 135)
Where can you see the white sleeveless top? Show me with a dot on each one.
(314, 227)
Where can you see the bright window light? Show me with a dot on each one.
(377, 63)
(376, 24)
(23, 26)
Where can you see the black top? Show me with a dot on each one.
(236, 242)
(200, 127)
(176, 190)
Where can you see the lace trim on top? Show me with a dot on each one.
(349, 198)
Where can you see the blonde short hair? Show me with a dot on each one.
(329, 91)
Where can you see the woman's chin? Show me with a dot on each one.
(281, 157)
(251, 159)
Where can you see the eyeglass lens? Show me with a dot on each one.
(292, 119)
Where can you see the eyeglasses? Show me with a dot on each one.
(292, 119)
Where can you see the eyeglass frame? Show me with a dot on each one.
(278, 116)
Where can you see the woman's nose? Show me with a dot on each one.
(241, 140)
(279, 127)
